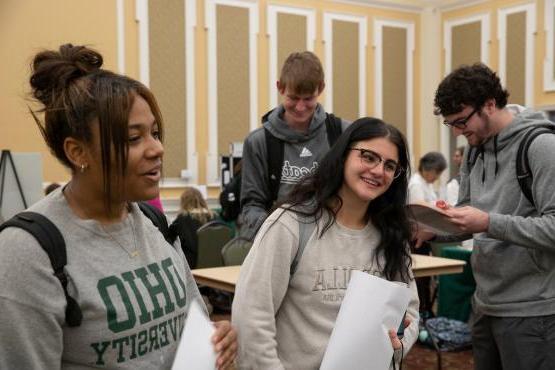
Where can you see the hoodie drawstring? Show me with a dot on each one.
(495, 153)
(483, 163)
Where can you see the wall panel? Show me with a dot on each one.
(395, 75)
(233, 71)
(515, 58)
(345, 75)
(167, 78)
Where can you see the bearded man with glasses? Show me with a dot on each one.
(513, 324)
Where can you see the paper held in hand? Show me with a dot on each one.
(195, 350)
(433, 219)
(360, 340)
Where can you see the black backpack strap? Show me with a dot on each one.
(274, 148)
(53, 243)
(158, 219)
(523, 172)
(333, 128)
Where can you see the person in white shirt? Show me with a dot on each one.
(421, 184)
(452, 189)
(421, 189)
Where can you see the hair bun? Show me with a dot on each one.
(53, 71)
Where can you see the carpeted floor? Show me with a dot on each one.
(423, 358)
(419, 358)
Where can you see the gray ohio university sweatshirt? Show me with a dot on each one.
(514, 261)
(133, 307)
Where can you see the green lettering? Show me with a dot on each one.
(153, 338)
(132, 338)
(181, 300)
(181, 323)
(112, 316)
(155, 290)
(173, 328)
(100, 348)
(163, 331)
(130, 279)
(119, 343)
(143, 338)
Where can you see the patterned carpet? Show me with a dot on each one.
(423, 358)
(419, 358)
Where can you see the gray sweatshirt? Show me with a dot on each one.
(285, 323)
(301, 155)
(133, 308)
(514, 261)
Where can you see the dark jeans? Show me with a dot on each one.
(513, 343)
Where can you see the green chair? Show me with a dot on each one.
(236, 250)
(212, 237)
(456, 290)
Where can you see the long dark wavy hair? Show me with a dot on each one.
(318, 194)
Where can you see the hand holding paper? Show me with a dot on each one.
(201, 340)
(196, 351)
(372, 306)
(434, 219)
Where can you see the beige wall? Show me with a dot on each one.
(27, 26)
(515, 76)
(31, 25)
(541, 97)
(167, 78)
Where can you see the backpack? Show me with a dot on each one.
(446, 334)
(52, 242)
(230, 196)
(230, 199)
(523, 172)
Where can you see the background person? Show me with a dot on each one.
(133, 288)
(452, 187)
(51, 187)
(194, 213)
(300, 123)
(421, 184)
(421, 189)
(514, 239)
(359, 222)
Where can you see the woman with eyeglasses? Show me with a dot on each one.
(348, 215)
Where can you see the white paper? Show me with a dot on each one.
(371, 307)
(195, 350)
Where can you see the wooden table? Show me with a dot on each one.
(225, 278)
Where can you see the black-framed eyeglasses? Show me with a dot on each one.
(461, 122)
(371, 159)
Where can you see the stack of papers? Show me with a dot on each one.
(360, 340)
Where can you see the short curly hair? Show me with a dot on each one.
(469, 86)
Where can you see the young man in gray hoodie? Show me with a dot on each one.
(300, 123)
(514, 239)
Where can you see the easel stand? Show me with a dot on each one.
(4, 158)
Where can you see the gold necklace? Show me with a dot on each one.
(135, 252)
